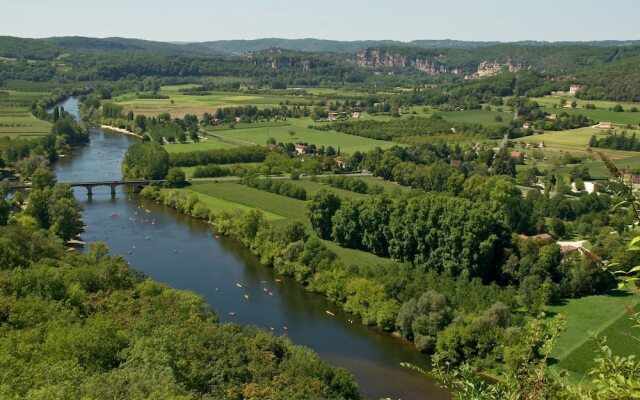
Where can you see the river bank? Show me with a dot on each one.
(119, 130)
(184, 253)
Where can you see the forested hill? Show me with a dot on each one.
(76, 325)
(618, 81)
(51, 48)
(48, 48)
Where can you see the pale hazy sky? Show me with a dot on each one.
(200, 20)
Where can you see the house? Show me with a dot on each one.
(573, 89)
(541, 144)
(551, 116)
(567, 248)
(453, 130)
(333, 116)
(342, 163)
(604, 125)
(516, 154)
(237, 120)
(526, 125)
(271, 146)
(356, 114)
(377, 104)
(301, 148)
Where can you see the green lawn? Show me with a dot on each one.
(260, 134)
(604, 315)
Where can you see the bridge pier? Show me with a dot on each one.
(113, 190)
(89, 190)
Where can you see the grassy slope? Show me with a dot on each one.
(602, 315)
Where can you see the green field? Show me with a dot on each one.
(16, 119)
(260, 134)
(246, 197)
(484, 117)
(602, 315)
(576, 142)
(179, 104)
(601, 113)
(215, 199)
(313, 187)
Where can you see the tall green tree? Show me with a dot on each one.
(320, 210)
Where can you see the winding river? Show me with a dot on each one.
(184, 253)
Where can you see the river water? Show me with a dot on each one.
(184, 253)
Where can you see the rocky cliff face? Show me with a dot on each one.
(430, 64)
(376, 58)
(277, 59)
(491, 68)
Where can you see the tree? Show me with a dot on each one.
(38, 206)
(65, 218)
(292, 133)
(175, 177)
(145, 161)
(322, 207)
(43, 178)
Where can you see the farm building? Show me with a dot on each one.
(333, 116)
(301, 148)
(356, 114)
(604, 125)
(573, 89)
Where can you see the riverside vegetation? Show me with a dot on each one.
(453, 244)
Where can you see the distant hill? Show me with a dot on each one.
(234, 47)
(307, 45)
(48, 48)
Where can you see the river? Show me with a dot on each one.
(184, 253)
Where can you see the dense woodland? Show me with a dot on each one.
(87, 325)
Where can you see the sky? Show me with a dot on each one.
(405, 20)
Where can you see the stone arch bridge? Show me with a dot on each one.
(136, 183)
